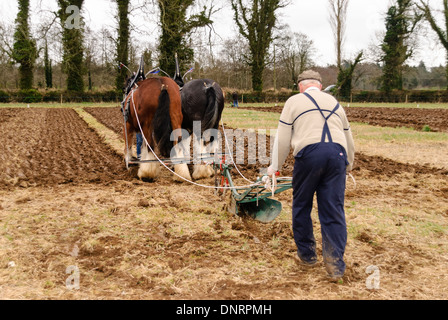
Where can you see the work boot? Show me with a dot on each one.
(334, 273)
(334, 278)
(307, 263)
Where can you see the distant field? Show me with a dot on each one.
(397, 105)
(58, 105)
(360, 105)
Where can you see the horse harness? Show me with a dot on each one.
(126, 105)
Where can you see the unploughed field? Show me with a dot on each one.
(66, 200)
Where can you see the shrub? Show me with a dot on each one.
(29, 96)
(51, 96)
(4, 97)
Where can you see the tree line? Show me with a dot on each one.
(263, 55)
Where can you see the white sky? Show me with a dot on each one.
(365, 21)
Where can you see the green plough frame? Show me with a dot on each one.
(254, 201)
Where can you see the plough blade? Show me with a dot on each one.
(265, 210)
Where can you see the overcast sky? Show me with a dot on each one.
(365, 21)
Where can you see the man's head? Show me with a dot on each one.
(309, 79)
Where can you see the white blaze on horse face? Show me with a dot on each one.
(148, 170)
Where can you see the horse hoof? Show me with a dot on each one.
(202, 172)
(211, 172)
(148, 171)
(182, 171)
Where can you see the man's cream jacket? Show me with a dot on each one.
(301, 125)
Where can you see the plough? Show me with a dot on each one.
(254, 201)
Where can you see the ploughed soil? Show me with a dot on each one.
(375, 165)
(68, 203)
(41, 147)
(435, 120)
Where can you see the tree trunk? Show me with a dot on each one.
(176, 27)
(257, 29)
(123, 42)
(72, 41)
(24, 51)
(257, 77)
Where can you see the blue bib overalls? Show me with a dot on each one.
(321, 169)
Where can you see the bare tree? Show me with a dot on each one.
(441, 31)
(256, 20)
(296, 54)
(8, 73)
(338, 19)
(124, 34)
(177, 25)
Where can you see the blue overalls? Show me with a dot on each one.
(321, 168)
(139, 138)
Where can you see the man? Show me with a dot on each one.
(316, 127)
(139, 138)
(235, 99)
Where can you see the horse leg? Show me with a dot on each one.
(201, 171)
(149, 170)
(181, 150)
(214, 148)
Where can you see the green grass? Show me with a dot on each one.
(365, 132)
(248, 119)
(392, 222)
(109, 137)
(361, 105)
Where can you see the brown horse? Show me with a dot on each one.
(156, 111)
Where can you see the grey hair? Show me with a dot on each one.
(310, 81)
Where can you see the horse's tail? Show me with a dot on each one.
(162, 124)
(212, 111)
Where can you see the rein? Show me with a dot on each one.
(124, 118)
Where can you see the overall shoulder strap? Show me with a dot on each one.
(326, 132)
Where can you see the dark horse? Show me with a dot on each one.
(155, 110)
(202, 101)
